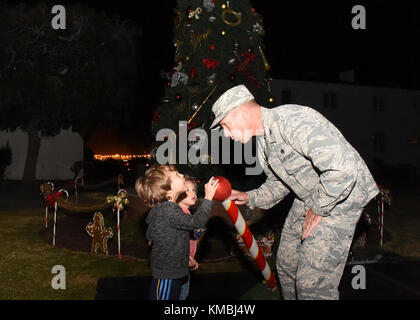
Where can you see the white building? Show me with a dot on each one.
(56, 154)
(380, 123)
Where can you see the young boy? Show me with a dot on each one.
(168, 227)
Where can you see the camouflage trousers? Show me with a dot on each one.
(312, 269)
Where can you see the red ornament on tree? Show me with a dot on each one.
(156, 116)
(193, 124)
(223, 190)
(212, 47)
(193, 72)
(210, 64)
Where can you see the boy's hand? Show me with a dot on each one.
(210, 188)
(193, 264)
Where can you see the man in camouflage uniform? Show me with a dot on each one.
(302, 152)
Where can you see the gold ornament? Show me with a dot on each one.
(196, 13)
(223, 6)
(271, 100)
(266, 64)
(230, 23)
(195, 40)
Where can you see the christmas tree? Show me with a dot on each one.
(218, 45)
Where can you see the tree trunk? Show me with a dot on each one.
(34, 143)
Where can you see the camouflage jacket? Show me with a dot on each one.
(301, 151)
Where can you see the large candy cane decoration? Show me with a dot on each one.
(249, 241)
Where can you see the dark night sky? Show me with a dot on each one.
(308, 40)
(305, 40)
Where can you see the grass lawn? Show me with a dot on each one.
(402, 220)
(27, 262)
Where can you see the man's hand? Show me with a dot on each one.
(239, 197)
(311, 221)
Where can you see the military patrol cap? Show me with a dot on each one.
(228, 101)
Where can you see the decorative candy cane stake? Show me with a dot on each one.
(46, 217)
(55, 222)
(249, 241)
(59, 193)
(75, 187)
(118, 230)
(46, 204)
(120, 200)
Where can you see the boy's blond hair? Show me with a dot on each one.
(154, 186)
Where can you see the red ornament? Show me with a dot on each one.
(193, 72)
(223, 190)
(212, 47)
(193, 124)
(248, 58)
(156, 116)
(210, 64)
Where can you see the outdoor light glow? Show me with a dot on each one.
(123, 157)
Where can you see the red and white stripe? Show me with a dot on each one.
(55, 221)
(249, 241)
(46, 217)
(118, 229)
(55, 211)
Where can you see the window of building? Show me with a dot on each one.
(330, 100)
(378, 104)
(379, 142)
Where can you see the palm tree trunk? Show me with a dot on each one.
(34, 143)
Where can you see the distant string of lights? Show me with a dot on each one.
(123, 157)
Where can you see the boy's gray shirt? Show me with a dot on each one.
(169, 230)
